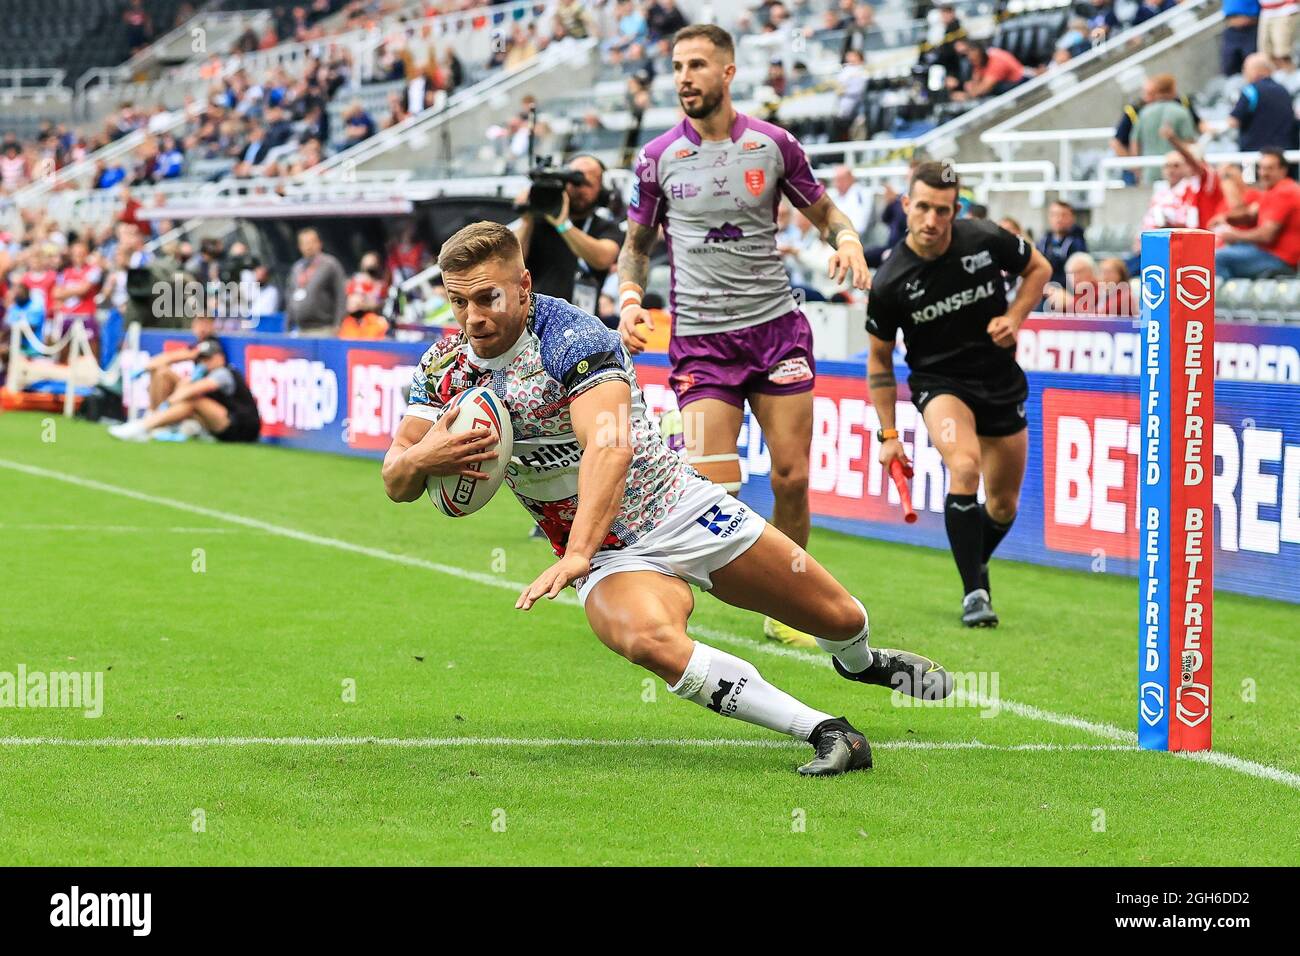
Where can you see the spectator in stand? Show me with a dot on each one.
(407, 255)
(1088, 293)
(894, 219)
(1151, 8)
(367, 283)
(993, 71)
(1116, 277)
(863, 34)
(1194, 196)
(632, 27)
(1264, 114)
(574, 19)
(357, 125)
(13, 167)
(1102, 19)
(1277, 23)
(79, 282)
(316, 301)
(139, 26)
(852, 82)
(453, 71)
(663, 19)
(1123, 144)
(852, 198)
(1164, 109)
(1062, 239)
(1240, 35)
(1272, 245)
(1075, 41)
(776, 76)
(362, 321)
(945, 54)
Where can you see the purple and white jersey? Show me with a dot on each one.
(561, 353)
(717, 202)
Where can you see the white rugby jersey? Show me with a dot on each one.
(561, 353)
(717, 202)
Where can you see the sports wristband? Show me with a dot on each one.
(564, 227)
(629, 294)
(847, 235)
(886, 434)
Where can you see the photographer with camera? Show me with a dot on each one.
(569, 242)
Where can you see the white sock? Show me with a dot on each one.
(855, 653)
(734, 688)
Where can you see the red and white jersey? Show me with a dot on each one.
(42, 281)
(407, 258)
(73, 275)
(363, 285)
(1189, 204)
(13, 171)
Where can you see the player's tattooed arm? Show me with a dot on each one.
(633, 272)
(837, 230)
(634, 257)
(884, 393)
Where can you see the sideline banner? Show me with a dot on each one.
(1079, 504)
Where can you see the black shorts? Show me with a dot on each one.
(993, 419)
(243, 427)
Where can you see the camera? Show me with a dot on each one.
(546, 196)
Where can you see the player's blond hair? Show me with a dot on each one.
(477, 243)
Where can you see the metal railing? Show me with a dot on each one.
(85, 167)
(941, 141)
(458, 25)
(33, 84)
(417, 129)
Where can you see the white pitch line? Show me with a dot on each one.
(1027, 711)
(115, 528)
(432, 743)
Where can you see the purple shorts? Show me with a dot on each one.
(772, 358)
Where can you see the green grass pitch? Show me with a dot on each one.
(483, 735)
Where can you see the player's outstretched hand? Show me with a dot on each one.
(634, 340)
(554, 580)
(441, 453)
(1002, 330)
(849, 260)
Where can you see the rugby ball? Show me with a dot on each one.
(460, 495)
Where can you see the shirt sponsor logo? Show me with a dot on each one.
(980, 260)
(913, 289)
(685, 153)
(749, 145)
(724, 233)
(953, 302)
(684, 190)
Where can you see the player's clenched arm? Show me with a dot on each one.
(601, 417)
(837, 229)
(633, 272)
(422, 448)
(884, 393)
(1035, 276)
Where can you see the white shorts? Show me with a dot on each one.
(705, 530)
